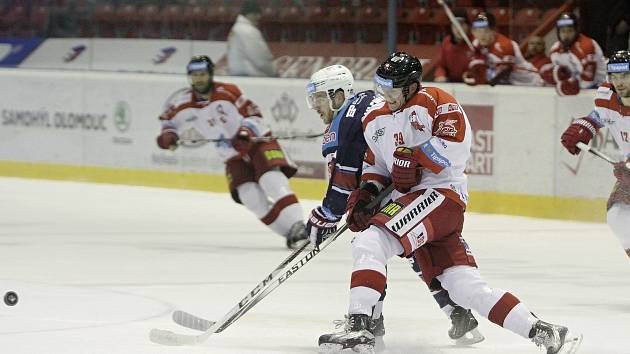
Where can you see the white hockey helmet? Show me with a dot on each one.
(330, 79)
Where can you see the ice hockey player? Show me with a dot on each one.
(331, 94)
(497, 58)
(420, 140)
(612, 109)
(578, 61)
(257, 172)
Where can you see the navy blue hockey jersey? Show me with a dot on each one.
(344, 147)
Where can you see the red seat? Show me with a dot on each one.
(372, 25)
(39, 19)
(103, 17)
(195, 24)
(290, 25)
(503, 17)
(126, 21)
(172, 22)
(525, 21)
(149, 21)
(317, 26)
(343, 21)
(414, 26)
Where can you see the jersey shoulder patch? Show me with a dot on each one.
(226, 92)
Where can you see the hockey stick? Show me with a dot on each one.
(256, 139)
(457, 25)
(170, 338)
(597, 153)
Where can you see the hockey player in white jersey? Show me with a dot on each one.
(257, 172)
(420, 140)
(612, 109)
(331, 93)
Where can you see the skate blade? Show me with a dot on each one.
(330, 348)
(471, 337)
(571, 343)
(363, 349)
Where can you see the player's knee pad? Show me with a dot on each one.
(254, 199)
(618, 219)
(372, 248)
(467, 289)
(275, 184)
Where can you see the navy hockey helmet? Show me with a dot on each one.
(399, 71)
(200, 63)
(619, 62)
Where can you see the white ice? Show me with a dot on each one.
(97, 266)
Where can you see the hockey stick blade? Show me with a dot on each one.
(191, 321)
(170, 338)
(257, 139)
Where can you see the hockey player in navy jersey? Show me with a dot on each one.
(331, 94)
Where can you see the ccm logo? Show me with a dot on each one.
(402, 163)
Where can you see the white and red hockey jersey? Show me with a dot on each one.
(610, 112)
(431, 121)
(193, 117)
(584, 59)
(504, 52)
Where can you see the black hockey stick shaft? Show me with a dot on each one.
(300, 264)
(171, 338)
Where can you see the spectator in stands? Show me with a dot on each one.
(454, 54)
(535, 54)
(248, 53)
(497, 58)
(578, 61)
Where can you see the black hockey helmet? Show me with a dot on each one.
(200, 62)
(619, 62)
(399, 70)
(567, 19)
(484, 20)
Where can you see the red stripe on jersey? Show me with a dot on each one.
(375, 177)
(613, 104)
(369, 157)
(375, 114)
(369, 279)
(171, 112)
(344, 180)
(502, 308)
(284, 202)
(452, 195)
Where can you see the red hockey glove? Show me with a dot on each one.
(622, 172)
(561, 73)
(358, 217)
(568, 87)
(242, 141)
(406, 170)
(168, 140)
(581, 130)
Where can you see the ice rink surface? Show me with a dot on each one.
(97, 266)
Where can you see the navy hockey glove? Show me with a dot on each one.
(320, 226)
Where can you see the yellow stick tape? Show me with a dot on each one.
(581, 209)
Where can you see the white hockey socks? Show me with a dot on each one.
(619, 221)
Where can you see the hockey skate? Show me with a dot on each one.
(377, 327)
(556, 339)
(464, 329)
(296, 237)
(355, 335)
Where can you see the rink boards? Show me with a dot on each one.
(101, 127)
